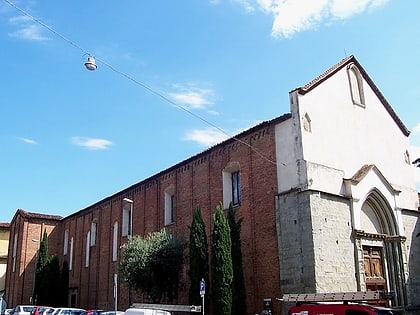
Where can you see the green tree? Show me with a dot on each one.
(52, 281)
(64, 284)
(199, 257)
(238, 287)
(221, 264)
(152, 264)
(47, 276)
(40, 285)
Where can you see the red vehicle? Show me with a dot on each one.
(341, 309)
(345, 303)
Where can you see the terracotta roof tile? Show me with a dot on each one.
(40, 216)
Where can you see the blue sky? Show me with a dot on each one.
(171, 75)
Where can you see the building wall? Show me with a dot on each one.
(196, 182)
(345, 136)
(26, 232)
(299, 202)
(331, 141)
(412, 224)
(4, 245)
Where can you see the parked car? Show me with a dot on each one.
(69, 311)
(24, 309)
(49, 311)
(8, 311)
(40, 310)
(145, 311)
(103, 312)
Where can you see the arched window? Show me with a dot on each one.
(307, 123)
(356, 85)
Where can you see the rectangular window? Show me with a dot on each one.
(66, 242)
(14, 252)
(87, 249)
(115, 242)
(93, 233)
(71, 253)
(169, 208)
(236, 188)
(126, 220)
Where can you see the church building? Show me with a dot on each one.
(326, 193)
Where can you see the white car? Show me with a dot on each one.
(145, 311)
(24, 309)
(69, 311)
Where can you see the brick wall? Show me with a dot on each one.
(196, 182)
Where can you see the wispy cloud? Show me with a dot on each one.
(28, 141)
(416, 130)
(293, 16)
(193, 97)
(206, 137)
(91, 143)
(27, 29)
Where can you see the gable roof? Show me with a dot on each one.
(334, 69)
(364, 171)
(36, 216)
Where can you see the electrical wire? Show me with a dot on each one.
(144, 86)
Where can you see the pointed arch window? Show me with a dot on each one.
(356, 85)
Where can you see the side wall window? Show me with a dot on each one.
(236, 188)
(87, 249)
(231, 177)
(169, 205)
(14, 252)
(115, 242)
(66, 242)
(93, 233)
(126, 220)
(71, 253)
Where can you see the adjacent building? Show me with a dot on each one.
(4, 246)
(326, 193)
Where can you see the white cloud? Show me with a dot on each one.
(248, 5)
(206, 137)
(293, 16)
(27, 29)
(192, 97)
(28, 141)
(91, 143)
(416, 130)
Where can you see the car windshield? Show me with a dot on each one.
(28, 308)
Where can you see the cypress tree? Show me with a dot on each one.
(221, 264)
(199, 257)
(40, 287)
(64, 284)
(238, 290)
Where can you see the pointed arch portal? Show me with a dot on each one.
(380, 249)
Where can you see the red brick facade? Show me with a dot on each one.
(197, 181)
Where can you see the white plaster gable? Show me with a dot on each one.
(329, 136)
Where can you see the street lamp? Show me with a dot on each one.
(90, 64)
(131, 215)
